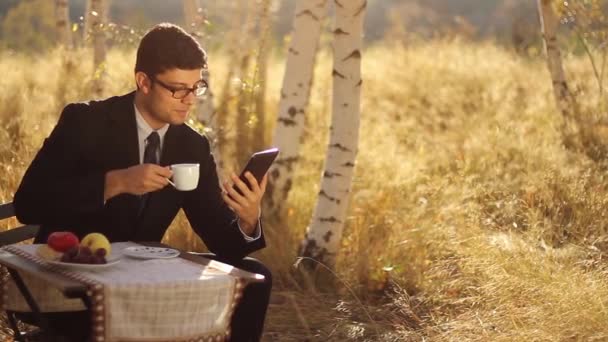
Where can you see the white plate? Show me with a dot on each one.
(85, 267)
(144, 252)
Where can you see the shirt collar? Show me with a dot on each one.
(143, 129)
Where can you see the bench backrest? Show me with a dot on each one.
(16, 234)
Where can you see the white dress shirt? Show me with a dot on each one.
(144, 130)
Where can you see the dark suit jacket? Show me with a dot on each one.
(63, 187)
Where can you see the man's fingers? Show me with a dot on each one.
(164, 171)
(228, 189)
(231, 203)
(264, 183)
(241, 185)
(255, 187)
(155, 183)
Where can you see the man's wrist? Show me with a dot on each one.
(247, 227)
(113, 185)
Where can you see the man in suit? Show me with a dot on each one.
(105, 168)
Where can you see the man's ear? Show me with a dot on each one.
(143, 82)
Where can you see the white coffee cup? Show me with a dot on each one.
(185, 176)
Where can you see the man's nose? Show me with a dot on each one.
(190, 98)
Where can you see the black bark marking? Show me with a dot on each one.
(310, 249)
(308, 13)
(340, 31)
(355, 54)
(327, 236)
(328, 174)
(294, 51)
(359, 83)
(287, 162)
(275, 173)
(340, 147)
(361, 9)
(329, 198)
(330, 219)
(283, 95)
(300, 84)
(348, 164)
(336, 73)
(287, 122)
(345, 105)
(288, 185)
(339, 4)
(292, 111)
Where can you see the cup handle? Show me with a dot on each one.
(170, 182)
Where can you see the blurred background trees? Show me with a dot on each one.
(509, 22)
(28, 26)
(505, 20)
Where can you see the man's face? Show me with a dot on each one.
(161, 105)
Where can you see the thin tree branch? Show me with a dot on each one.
(590, 55)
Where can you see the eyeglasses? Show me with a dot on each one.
(199, 89)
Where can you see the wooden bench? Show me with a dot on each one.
(8, 237)
(16, 234)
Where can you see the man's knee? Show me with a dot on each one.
(248, 264)
(255, 266)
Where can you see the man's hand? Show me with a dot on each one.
(136, 180)
(247, 205)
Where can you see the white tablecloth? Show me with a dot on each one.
(140, 300)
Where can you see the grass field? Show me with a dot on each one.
(469, 220)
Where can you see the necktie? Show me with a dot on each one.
(152, 146)
(150, 157)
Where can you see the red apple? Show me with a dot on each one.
(62, 241)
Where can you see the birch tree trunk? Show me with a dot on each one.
(64, 33)
(238, 13)
(62, 23)
(245, 98)
(205, 112)
(295, 93)
(324, 233)
(95, 26)
(258, 137)
(259, 133)
(549, 22)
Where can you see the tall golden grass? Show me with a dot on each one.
(468, 219)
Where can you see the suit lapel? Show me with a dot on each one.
(123, 133)
(123, 152)
(170, 147)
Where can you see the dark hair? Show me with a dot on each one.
(167, 46)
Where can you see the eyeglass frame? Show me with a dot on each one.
(173, 90)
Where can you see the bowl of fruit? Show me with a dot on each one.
(65, 249)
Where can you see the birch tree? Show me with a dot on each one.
(324, 233)
(64, 34)
(549, 22)
(62, 23)
(237, 16)
(295, 94)
(205, 110)
(245, 98)
(259, 78)
(95, 22)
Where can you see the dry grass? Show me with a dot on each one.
(469, 220)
